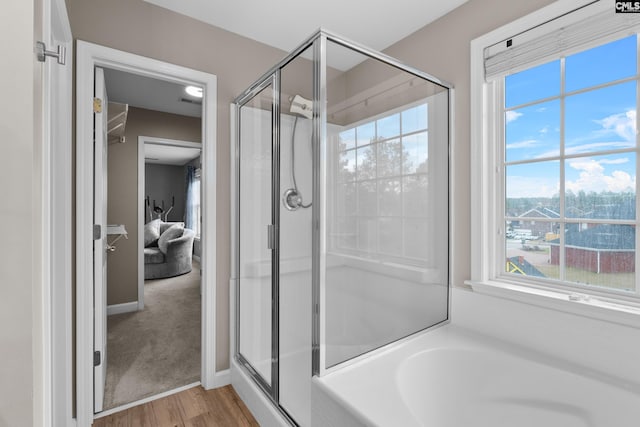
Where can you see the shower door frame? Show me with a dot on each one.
(271, 77)
(273, 80)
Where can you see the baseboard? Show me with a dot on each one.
(222, 378)
(196, 258)
(127, 307)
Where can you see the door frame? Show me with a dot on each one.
(142, 140)
(89, 56)
(53, 328)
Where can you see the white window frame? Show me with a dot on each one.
(486, 196)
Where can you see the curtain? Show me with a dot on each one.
(193, 199)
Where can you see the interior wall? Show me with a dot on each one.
(441, 49)
(122, 203)
(144, 29)
(166, 183)
(20, 262)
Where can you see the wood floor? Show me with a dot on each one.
(190, 408)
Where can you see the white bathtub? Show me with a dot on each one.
(453, 377)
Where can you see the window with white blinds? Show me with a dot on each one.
(554, 116)
(562, 36)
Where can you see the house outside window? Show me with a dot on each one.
(561, 147)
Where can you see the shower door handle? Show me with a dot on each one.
(271, 237)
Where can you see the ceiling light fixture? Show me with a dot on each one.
(194, 91)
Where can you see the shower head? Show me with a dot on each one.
(301, 106)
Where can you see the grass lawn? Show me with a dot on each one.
(625, 281)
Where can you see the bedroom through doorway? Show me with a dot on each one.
(154, 276)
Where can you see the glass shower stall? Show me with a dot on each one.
(341, 214)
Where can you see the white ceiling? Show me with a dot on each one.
(169, 154)
(286, 23)
(283, 24)
(152, 94)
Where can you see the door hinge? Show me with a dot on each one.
(42, 53)
(97, 231)
(97, 105)
(97, 358)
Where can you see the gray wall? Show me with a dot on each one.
(122, 203)
(162, 182)
(441, 48)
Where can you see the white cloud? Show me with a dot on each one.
(622, 124)
(528, 186)
(511, 116)
(544, 130)
(522, 144)
(597, 146)
(592, 176)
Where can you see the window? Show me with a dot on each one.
(381, 185)
(559, 136)
(195, 202)
(569, 167)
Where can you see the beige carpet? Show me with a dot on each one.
(156, 349)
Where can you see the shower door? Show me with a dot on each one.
(256, 338)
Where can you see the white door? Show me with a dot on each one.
(100, 244)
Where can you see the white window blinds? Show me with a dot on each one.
(562, 36)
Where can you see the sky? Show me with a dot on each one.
(595, 120)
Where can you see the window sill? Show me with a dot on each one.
(619, 312)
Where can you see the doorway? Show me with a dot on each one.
(153, 281)
(89, 57)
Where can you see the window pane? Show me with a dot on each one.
(414, 194)
(390, 202)
(532, 182)
(414, 119)
(389, 127)
(367, 234)
(533, 132)
(366, 133)
(601, 255)
(530, 256)
(366, 162)
(416, 153)
(602, 64)
(367, 198)
(535, 83)
(346, 232)
(601, 187)
(603, 119)
(390, 236)
(347, 139)
(347, 166)
(389, 157)
(346, 199)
